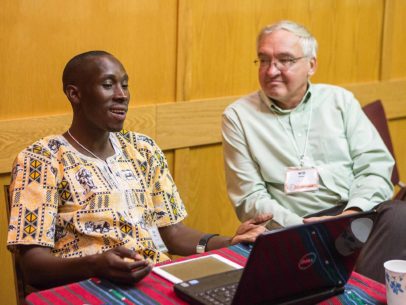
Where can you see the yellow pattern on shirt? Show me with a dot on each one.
(78, 205)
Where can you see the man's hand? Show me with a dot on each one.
(249, 230)
(43, 270)
(346, 212)
(121, 265)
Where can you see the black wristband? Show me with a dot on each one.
(202, 245)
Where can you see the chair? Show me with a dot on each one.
(376, 114)
(22, 289)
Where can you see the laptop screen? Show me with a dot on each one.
(297, 261)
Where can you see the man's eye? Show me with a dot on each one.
(107, 85)
(125, 86)
(264, 62)
(285, 61)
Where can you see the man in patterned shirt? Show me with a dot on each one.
(99, 200)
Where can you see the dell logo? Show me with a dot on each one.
(307, 260)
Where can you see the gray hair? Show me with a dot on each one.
(306, 39)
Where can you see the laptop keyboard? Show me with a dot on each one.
(220, 295)
(217, 289)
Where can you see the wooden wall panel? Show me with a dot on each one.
(219, 38)
(202, 187)
(349, 35)
(393, 64)
(170, 159)
(392, 93)
(183, 124)
(39, 37)
(398, 133)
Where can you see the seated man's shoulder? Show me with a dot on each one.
(137, 140)
(245, 102)
(45, 147)
(329, 89)
(334, 97)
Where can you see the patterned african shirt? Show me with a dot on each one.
(79, 205)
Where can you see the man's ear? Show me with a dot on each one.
(73, 94)
(313, 66)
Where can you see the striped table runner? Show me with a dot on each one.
(156, 290)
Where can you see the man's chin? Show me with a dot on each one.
(274, 91)
(274, 94)
(115, 128)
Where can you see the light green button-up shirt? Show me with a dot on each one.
(261, 141)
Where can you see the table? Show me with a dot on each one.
(155, 290)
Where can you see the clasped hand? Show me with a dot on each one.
(122, 265)
(249, 230)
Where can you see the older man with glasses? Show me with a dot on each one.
(304, 151)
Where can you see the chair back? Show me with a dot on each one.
(20, 287)
(376, 114)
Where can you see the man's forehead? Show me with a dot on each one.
(96, 66)
(282, 40)
(100, 62)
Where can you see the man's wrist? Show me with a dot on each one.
(202, 245)
(90, 265)
(231, 243)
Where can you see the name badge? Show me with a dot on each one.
(157, 239)
(301, 180)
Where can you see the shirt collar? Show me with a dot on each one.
(275, 108)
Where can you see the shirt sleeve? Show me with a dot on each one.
(33, 200)
(372, 161)
(169, 208)
(245, 185)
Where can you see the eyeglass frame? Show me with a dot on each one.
(277, 62)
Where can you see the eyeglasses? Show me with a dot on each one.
(282, 64)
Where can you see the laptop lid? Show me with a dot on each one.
(295, 265)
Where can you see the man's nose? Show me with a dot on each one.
(121, 93)
(272, 69)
